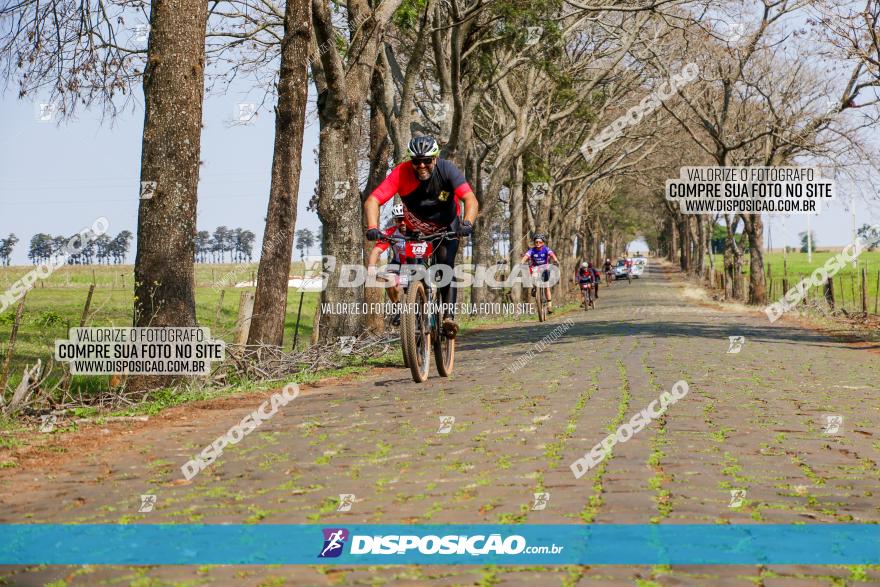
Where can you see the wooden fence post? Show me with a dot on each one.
(877, 293)
(784, 276)
(219, 310)
(317, 323)
(864, 290)
(4, 376)
(85, 314)
(829, 292)
(245, 313)
(852, 287)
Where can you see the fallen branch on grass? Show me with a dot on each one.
(265, 362)
(254, 362)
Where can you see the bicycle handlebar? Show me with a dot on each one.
(418, 236)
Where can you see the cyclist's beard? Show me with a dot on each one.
(423, 174)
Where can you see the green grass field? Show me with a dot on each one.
(847, 282)
(56, 304)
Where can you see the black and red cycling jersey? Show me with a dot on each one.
(398, 247)
(588, 275)
(431, 205)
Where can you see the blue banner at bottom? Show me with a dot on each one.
(372, 544)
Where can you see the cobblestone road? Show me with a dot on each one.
(755, 420)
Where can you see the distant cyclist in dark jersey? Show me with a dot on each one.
(585, 273)
(596, 276)
(539, 256)
(430, 189)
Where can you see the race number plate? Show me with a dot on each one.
(419, 249)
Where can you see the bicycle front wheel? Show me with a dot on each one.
(414, 332)
(540, 301)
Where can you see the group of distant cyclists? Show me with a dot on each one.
(431, 191)
(586, 275)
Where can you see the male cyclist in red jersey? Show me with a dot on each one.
(430, 189)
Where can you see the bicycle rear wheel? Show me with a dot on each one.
(444, 347)
(415, 337)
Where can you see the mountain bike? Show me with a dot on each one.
(540, 298)
(421, 321)
(587, 292)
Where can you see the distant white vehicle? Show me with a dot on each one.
(638, 266)
(308, 284)
(620, 270)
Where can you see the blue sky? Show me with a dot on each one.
(58, 179)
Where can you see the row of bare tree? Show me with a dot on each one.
(512, 89)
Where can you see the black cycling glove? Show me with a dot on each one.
(373, 234)
(465, 229)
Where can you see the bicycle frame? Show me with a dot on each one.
(420, 326)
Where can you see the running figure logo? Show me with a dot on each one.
(446, 423)
(148, 502)
(736, 498)
(833, 423)
(346, 500)
(47, 422)
(736, 344)
(541, 500)
(334, 540)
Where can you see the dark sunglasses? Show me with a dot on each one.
(420, 162)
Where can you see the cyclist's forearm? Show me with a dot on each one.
(471, 207)
(371, 212)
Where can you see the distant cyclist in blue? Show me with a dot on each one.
(539, 256)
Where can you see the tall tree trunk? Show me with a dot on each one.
(566, 256)
(340, 212)
(174, 82)
(684, 233)
(516, 222)
(672, 231)
(754, 227)
(735, 277)
(698, 256)
(710, 230)
(343, 81)
(728, 272)
(482, 236)
(381, 148)
(270, 303)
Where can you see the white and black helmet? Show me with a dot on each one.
(423, 146)
(397, 211)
